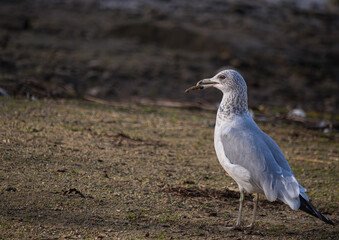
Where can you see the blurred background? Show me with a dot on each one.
(120, 50)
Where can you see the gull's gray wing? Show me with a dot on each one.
(247, 146)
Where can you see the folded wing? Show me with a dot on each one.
(247, 146)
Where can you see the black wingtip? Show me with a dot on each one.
(308, 207)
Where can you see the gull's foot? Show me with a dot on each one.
(251, 226)
(236, 227)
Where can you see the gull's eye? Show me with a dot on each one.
(221, 77)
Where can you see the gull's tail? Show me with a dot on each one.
(307, 207)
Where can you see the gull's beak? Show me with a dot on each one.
(207, 82)
(202, 84)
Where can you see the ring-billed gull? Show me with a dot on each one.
(247, 154)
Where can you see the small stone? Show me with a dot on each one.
(213, 214)
(297, 112)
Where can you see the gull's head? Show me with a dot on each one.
(226, 81)
(234, 88)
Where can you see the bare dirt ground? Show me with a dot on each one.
(79, 170)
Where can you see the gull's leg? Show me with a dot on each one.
(256, 199)
(237, 225)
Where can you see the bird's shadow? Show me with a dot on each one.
(222, 195)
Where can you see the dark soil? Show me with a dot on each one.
(155, 49)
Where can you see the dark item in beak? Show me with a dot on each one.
(194, 88)
(202, 84)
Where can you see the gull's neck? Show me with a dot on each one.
(233, 104)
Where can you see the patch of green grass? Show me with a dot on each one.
(199, 232)
(72, 128)
(28, 219)
(169, 217)
(132, 216)
(298, 170)
(160, 236)
(148, 109)
(277, 228)
(174, 117)
(5, 224)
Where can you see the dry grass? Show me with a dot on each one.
(72, 169)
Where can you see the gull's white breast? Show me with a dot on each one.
(241, 175)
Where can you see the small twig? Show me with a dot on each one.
(73, 190)
(98, 100)
(311, 160)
